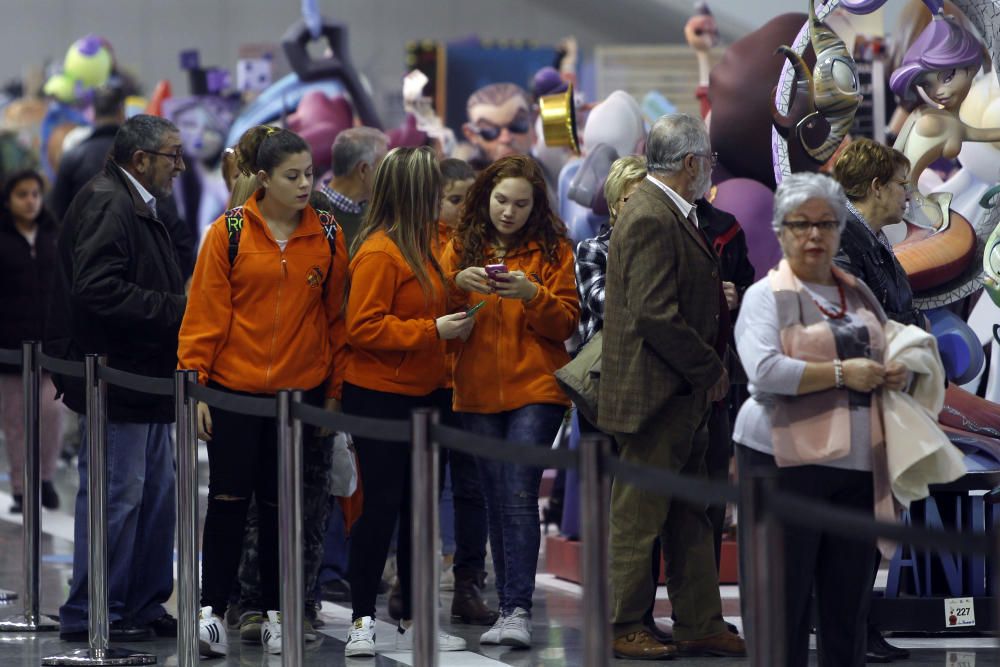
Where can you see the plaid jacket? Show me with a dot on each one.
(591, 271)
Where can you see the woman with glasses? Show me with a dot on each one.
(876, 180)
(811, 340)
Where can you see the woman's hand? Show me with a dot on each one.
(473, 279)
(896, 376)
(331, 404)
(861, 374)
(514, 285)
(204, 422)
(456, 325)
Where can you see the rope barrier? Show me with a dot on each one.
(520, 453)
(140, 383)
(390, 430)
(790, 508)
(245, 405)
(73, 369)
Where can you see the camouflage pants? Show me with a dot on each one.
(317, 456)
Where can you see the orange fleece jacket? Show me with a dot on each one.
(516, 346)
(441, 242)
(391, 325)
(274, 320)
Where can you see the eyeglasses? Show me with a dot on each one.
(176, 157)
(491, 132)
(713, 157)
(802, 228)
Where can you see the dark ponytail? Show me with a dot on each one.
(262, 148)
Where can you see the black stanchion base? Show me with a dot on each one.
(109, 656)
(7, 596)
(20, 623)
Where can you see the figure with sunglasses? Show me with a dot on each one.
(500, 123)
(119, 290)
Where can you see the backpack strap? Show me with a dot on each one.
(722, 240)
(329, 224)
(234, 228)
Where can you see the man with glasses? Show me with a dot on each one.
(665, 335)
(120, 291)
(500, 123)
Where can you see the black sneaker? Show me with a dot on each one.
(119, 631)
(50, 499)
(18, 506)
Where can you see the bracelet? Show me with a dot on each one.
(838, 373)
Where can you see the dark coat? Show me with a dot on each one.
(661, 313)
(26, 280)
(861, 254)
(80, 164)
(119, 291)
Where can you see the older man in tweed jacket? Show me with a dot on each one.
(660, 372)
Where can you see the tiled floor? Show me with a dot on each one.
(557, 624)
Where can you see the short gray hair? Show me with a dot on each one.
(140, 133)
(354, 145)
(671, 138)
(796, 189)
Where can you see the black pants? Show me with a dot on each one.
(385, 477)
(836, 569)
(471, 527)
(243, 463)
(720, 451)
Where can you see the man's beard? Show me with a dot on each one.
(703, 184)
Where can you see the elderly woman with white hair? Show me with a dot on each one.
(811, 340)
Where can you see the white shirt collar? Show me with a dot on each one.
(684, 205)
(143, 192)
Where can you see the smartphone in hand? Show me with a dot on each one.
(493, 269)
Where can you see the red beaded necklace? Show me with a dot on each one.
(834, 315)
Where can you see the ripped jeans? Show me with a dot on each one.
(512, 498)
(243, 464)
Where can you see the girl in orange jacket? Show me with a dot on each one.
(504, 383)
(396, 328)
(266, 319)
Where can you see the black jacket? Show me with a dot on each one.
(119, 291)
(26, 280)
(80, 164)
(85, 161)
(863, 255)
(726, 235)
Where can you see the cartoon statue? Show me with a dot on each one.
(823, 102)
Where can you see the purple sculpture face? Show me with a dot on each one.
(203, 122)
(942, 52)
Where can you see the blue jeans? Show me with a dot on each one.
(141, 517)
(512, 498)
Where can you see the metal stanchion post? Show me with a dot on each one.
(595, 507)
(765, 626)
(30, 620)
(290, 544)
(187, 520)
(424, 483)
(99, 653)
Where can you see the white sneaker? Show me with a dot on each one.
(516, 630)
(446, 642)
(361, 641)
(212, 639)
(492, 636)
(270, 632)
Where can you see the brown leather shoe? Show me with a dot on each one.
(724, 645)
(642, 645)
